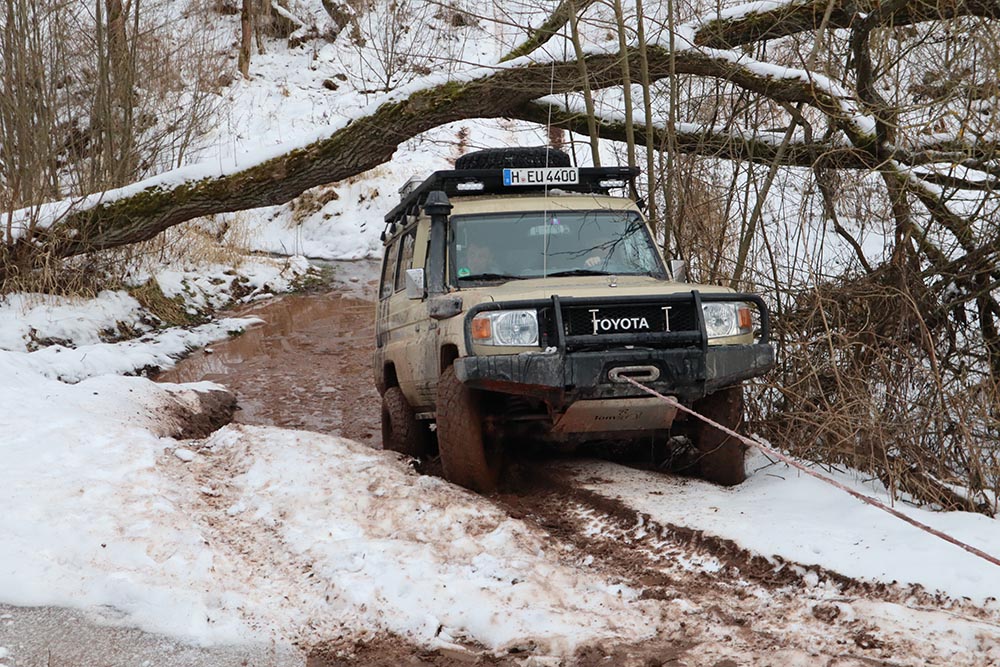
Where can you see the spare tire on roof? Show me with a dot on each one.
(498, 158)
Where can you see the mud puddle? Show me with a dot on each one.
(309, 365)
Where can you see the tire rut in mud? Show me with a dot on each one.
(758, 605)
(540, 491)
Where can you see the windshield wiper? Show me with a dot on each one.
(579, 272)
(489, 276)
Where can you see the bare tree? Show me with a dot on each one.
(246, 37)
(72, 119)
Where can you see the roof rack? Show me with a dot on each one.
(459, 182)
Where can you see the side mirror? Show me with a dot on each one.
(414, 283)
(678, 270)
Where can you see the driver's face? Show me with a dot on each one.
(479, 257)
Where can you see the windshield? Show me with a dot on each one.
(536, 244)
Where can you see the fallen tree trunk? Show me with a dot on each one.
(363, 144)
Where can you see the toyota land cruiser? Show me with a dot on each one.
(518, 295)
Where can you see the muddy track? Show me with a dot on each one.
(719, 605)
(542, 491)
(731, 598)
(307, 367)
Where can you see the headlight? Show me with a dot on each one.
(726, 319)
(517, 328)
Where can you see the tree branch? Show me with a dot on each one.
(559, 17)
(790, 19)
(708, 142)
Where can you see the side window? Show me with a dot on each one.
(408, 241)
(389, 269)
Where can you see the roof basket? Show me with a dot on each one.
(409, 186)
(464, 182)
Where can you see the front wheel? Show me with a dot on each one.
(466, 456)
(401, 431)
(720, 456)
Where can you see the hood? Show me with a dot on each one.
(581, 286)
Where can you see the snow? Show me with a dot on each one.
(262, 148)
(781, 512)
(72, 338)
(158, 350)
(117, 518)
(743, 10)
(387, 548)
(184, 454)
(261, 533)
(74, 320)
(93, 512)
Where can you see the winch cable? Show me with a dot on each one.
(798, 466)
(545, 189)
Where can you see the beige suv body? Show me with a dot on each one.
(515, 314)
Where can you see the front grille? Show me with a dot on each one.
(614, 319)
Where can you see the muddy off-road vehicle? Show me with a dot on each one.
(517, 295)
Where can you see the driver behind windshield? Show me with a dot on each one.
(479, 259)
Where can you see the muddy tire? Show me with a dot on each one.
(467, 459)
(401, 431)
(498, 158)
(720, 456)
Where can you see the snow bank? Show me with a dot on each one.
(93, 515)
(353, 536)
(780, 512)
(152, 351)
(261, 532)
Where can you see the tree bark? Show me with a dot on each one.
(246, 37)
(647, 112)
(588, 97)
(785, 20)
(626, 84)
(567, 11)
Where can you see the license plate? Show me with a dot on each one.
(541, 176)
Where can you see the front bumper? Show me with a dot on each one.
(562, 378)
(574, 367)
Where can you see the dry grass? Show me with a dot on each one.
(872, 376)
(311, 202)
(222, 241)
(83, 276)
(171, 312)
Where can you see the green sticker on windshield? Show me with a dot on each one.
(464, 271)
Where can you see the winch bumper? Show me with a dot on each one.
(575, 363)
(564, 377)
